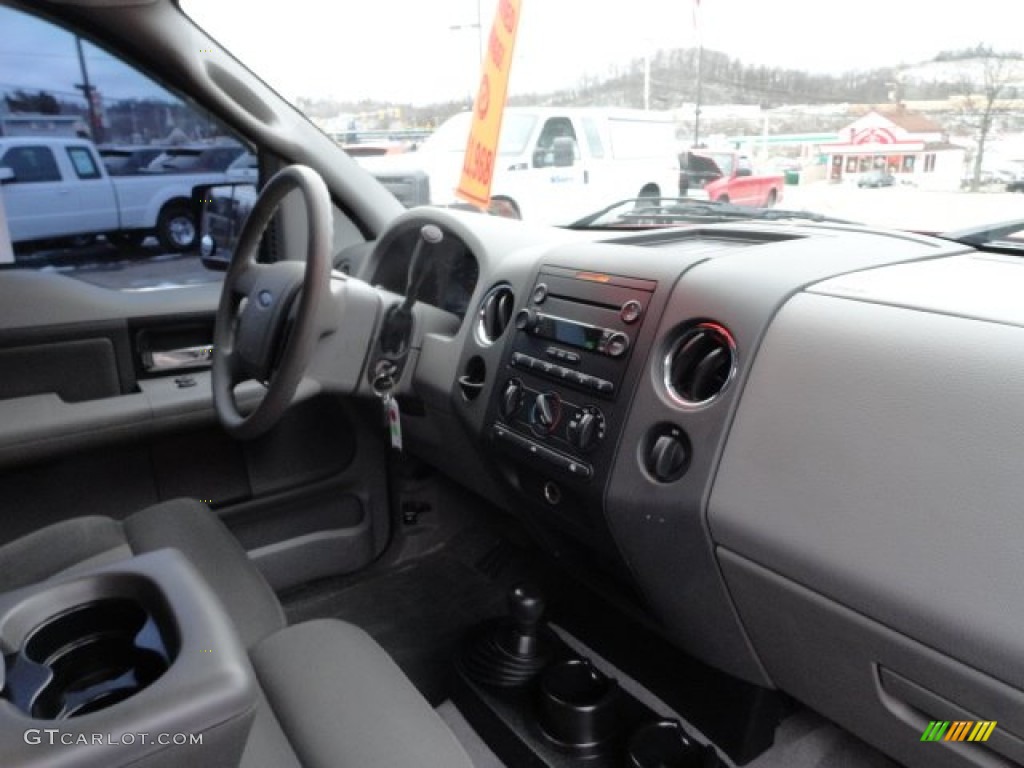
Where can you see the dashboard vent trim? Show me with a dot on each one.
(495, 314)
(700, 365)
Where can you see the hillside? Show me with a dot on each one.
(727, 80)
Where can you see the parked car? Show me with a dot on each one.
(876, 178)
(245, 168)
(128, 160)
(205, 158)
(1015, 186)
(58, 188)
(727, 177)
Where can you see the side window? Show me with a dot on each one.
(593, 133)
(83, 103)
(31, 164)
(82, 160)
(555, 128)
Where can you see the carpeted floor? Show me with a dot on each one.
(419, 610)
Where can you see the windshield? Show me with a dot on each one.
(724, 161)
(890, 115)
(453, 134)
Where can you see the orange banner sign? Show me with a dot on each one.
(482, 147)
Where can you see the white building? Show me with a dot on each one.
(909, 145)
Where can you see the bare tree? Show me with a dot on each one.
(987, 82)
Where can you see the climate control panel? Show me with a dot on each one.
(557, 423)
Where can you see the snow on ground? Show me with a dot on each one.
(904, 207)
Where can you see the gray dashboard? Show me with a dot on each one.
(847, 516)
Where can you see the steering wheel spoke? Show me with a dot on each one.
(249, 275)
(250, 342)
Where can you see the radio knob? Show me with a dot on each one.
(617, 344)
(511, 398)
(526, 319)
(546, 410)
(587, 430)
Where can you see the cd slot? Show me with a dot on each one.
(588, 302)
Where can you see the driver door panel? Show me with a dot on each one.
(86, 428)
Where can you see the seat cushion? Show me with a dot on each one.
(341, 702)
(193, 528)
(58, 548)
(184, 524)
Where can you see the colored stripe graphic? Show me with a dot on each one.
(935, 731)
(982, 730)
(958, 731)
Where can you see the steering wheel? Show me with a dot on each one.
(267, 322)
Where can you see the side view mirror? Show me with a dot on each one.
(221, 209)
(565, 151)
(745, 171)
(6, 174)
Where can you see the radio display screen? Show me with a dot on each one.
(567, 332)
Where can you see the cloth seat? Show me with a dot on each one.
(335, 699)
(187, 525)
(329, 694)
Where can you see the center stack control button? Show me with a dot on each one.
(616, 344)
(518, 444)
(526, 319)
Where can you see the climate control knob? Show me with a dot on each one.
(511, 398)
(587, 429)
(547, 409)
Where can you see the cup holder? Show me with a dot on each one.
(665, 744)
(578, 705)
(86, 659)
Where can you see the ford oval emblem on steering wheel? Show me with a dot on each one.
(265, 298)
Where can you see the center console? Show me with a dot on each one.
(560, 404)
(134, 663)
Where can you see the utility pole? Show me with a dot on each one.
(86, 87)
(700, 62)
(479, 35)
(696, 111)
(647, 80)
(478, 26)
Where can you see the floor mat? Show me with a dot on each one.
(419, 610)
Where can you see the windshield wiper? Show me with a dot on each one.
(992, 237)
(665, 211)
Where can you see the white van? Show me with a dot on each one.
(554, 164)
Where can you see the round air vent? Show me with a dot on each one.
(700, 364)
(495, 314)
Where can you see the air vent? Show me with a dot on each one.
(495, 314)
(700, 364)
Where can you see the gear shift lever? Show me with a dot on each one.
(509, 651)
(525, 608)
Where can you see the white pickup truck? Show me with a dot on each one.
(57, 188)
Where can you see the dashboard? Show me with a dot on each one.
(760, 431)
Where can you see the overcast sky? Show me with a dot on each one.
(405, 50)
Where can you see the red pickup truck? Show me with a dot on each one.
(727, 177)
